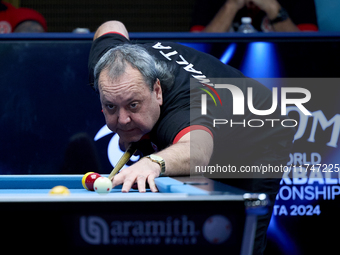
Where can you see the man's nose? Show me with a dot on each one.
(123, 117)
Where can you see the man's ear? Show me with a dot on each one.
(157, 89)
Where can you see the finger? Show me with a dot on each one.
(152, 184)
(117, 179)
(141, 179)
(127, 185)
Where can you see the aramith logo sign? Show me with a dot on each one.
(95, 230)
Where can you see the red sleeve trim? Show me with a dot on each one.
(197, 28)
(113, 32)
(188, 129)
(308, 27)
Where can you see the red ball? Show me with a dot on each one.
(90, 179)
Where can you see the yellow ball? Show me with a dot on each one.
(84, 179)
(59, 190)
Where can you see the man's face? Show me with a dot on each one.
(129, 107)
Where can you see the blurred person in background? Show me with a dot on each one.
(23, 20)
(267, 15)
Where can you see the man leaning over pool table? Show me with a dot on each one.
(144, 90)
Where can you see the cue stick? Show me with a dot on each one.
(123, 160)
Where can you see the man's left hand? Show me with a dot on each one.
(141, 172)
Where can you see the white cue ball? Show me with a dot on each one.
(102, 185)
